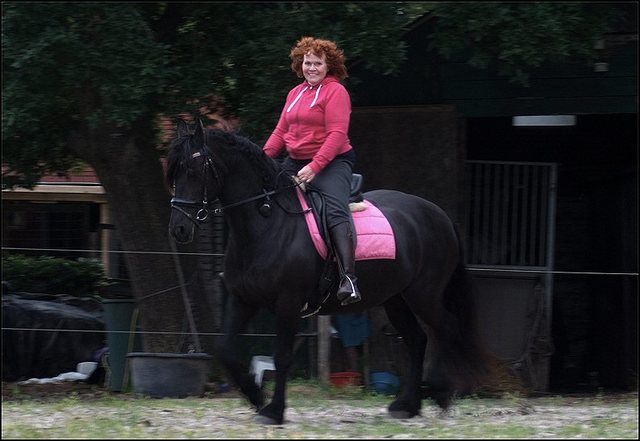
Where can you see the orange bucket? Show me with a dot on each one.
(343, 379)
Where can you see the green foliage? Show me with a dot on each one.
(94, 71)
(516, 37)
(67, 67)
(50, 275)
(239, 52)
(97, 69)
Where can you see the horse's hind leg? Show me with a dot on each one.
(409, 401)
(442, 363)
(458, 361)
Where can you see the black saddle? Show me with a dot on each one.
(356, 188)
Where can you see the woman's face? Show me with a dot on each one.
(314, 68)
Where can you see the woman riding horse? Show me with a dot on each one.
(270, 262)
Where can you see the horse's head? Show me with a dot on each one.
(196, 182)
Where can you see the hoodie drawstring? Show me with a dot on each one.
(297, 98)
(316, 97)
(313, 103)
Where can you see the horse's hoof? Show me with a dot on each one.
(403, 409)
(443, 400)
(267, 421)
(447, 413)
(401, 414)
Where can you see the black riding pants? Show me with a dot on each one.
(334, 181)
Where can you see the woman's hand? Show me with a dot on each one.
(306, 174)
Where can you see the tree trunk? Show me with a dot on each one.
(129, 169)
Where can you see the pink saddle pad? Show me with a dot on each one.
(375, 236)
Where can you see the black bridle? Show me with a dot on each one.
(203, 212)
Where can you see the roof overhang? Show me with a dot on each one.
(58, 193)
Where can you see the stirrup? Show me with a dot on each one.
(354, 297)
(347, 298)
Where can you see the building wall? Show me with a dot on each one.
(433, 103)
(417, 150)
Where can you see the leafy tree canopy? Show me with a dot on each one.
(74, 68)
(515, 37)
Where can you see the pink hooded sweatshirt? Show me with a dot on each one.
(314, 124)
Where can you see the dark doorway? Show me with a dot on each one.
(594, 325)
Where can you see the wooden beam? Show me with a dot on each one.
(57, 193)
(324, 349)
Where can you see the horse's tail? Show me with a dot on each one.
(466, 357)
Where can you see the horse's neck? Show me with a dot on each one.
(247, 223)
(237, 190)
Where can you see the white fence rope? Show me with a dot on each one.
(67, 250)
(470, 268)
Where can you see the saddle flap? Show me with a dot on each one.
(356, 184)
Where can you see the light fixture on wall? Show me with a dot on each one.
(543, 120)
(601, 64)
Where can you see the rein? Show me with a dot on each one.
(265, 195)
(203, 213)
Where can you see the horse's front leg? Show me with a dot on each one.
(286, 328)
(237, 318)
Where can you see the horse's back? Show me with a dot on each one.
(424, 233)
(404, 210)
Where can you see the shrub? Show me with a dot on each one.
(50, 275)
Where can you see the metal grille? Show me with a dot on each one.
(509, 211)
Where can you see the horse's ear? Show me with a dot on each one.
(182, 128)
(198, 135)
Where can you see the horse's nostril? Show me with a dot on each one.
(181, 233)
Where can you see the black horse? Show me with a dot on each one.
(270, 262)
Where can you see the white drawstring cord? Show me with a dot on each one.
(316, 98)
(297, 98)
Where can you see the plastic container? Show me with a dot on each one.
(343, 379)
(384, 382)
(160, 375)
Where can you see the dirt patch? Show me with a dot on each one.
(83, 391)
(41, 411)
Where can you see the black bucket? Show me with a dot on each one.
(171, 375)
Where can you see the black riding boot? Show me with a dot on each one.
(342, 238)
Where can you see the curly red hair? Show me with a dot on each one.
(334, 56)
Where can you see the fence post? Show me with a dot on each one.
(324, 348)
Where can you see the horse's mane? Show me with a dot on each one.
(177, 157)
(226, 148)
